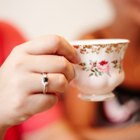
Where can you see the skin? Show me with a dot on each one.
(24, 66)
(23, 71)
(125, 25)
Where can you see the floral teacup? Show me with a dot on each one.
(100, 70)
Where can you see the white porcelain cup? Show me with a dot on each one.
(100, 69)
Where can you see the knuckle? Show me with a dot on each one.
(64, 63)
(17, 107)
(19, 118)
(55, 41)
(18, 59)
(19, 62)
(18, 65)
(23, 118)
(16, 49)
(62, 81)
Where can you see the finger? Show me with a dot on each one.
(51, 64)
(51, 44)
(39, 102)
(57, 83)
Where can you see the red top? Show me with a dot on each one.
(9, 38)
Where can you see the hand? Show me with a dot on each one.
(20, 77)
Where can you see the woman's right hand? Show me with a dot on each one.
(20, 77)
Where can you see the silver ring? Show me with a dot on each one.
(44, 82)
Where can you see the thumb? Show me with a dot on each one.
(40, 102)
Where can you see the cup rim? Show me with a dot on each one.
(99, 41)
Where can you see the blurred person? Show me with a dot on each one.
(22, 64)
(118, 118)
(85, 120)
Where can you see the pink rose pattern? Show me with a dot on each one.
(102, 67)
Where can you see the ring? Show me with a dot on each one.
(44, 82)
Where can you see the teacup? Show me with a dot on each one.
(100, 69)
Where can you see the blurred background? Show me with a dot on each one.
(68, 18)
